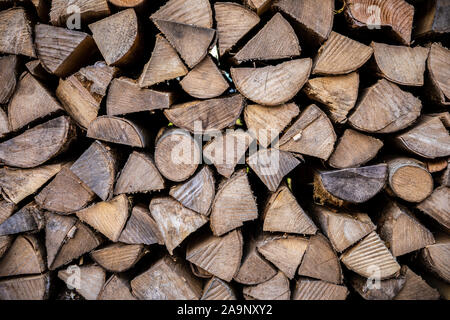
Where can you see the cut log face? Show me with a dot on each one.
(308, 289)
(438, 68)
(385, 108)
(28, 219)
(266, 123)
(163, 54)
(400, 64)
(397, 15)
(177, 155)
(216, 289)
(272, 165)
(4, 123)
(195, 12)
(87, 280)
(118, 257)
(409, 179)
(312, 134)
(307, 13)
(283, 214)
(354, 149)
(7, 208)
(190, 41)
(343, 229)
(118, 130)
(355, 185)
(5, 243)
(38, 144)
(212, 114)
(174, 221)
(272, 85)
(116, 288)
(8, 77)
(227, 150)
(197, 193)
(320, 261)
(90, 10)
(276, 40)
(276, 288)
(141, 228)
(436, 257)
(428, 139)
(82, 92)
(74, 48)
(415, 288)
(108, 217)
(17, 184)
(96, 167)
(167, 279)
(233, 205)
(205, 80)
(260, 6)
(34, 287)
(16, 33)
(139, 175)
(384, 290)
(436, 206)
(337, 93)
(125, 96)
(349, 56)
(220, 256)
(432, 19)
(284, 252)
(233, 22)
(57, 229)
(117, 37)
(371, 258)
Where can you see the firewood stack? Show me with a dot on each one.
(194, 149)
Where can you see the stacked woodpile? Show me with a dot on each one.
(195, 149)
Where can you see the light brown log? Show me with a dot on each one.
(5, 243)
(16, 33)
(382, 289)
(276, 288)
(308, 289)
(432, 19)
(9, 66)
(438, 69)
(35, 287)
(87, 280)
(415, 288)
(216, 289)
(118, 257)
(7, 208)
(436, 257)
(28, 219)
(136, 4)
(272, 85)
(195, 12)
(141, 228)
(89, 10)
(436, 165)
(4, 123)
(116, 288)
(260, 6)
(436, 206)
(441, 286)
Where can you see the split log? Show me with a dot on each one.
(272, 85)
(16, 33)
(401, 231)
(141, 228)
(24, 257)
(96, 167)
(139, 174)
(320, 261)
(30, 101)
(197, 193)
(205, 81)
(353, 185)
(276, 288)
(213, 114)
(285, 252)
(337, 93)
(438, 72)
(38, 144)
(117, 37)
(436, 257)
(436, 165)
(220, 256)
(444, 179)
(311, 134)
(233, 205)
(428, 138)
(118, 257)
(17, 184)
(282, 213)
(163, 54)
(340, 55)
(306, 15)
(74, 49)
(441, 286)
(4, 123)
(436, 206)
(9, 66)
(6, 209)
(382, 289)
(108, 217)
(267, 122)
(260, 6)
(216, 289)
(276, 40)
(37, 70)
(432, 19)
(125, 4)
(28, 219)
(342, 228)
(61, 11)
(87, 280)
(116, 288)
(167, 279)
(177, 154)
(174, 221)
(125, 96)
(409, 179)
(34, 287)
(396, 15)
(82, 93)
(195, 12)
(385, 108)
(400, 64)
(354, 149)
(415, 288)
(119, 130)
(5, 243)
(233, 22)
(308, 289)
(371, 258)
